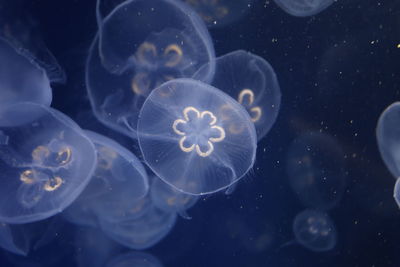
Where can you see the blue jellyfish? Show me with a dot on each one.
(220, 13)
(167, 198)
(134, 259)
(195, 137)
(140, 45)
(388, 138)
(315, 230)
(142, 232)
(119, 179)
(45, 163)
(396, 193)
(253, 83)
(13, 239)
(315, 166)
(303, 8)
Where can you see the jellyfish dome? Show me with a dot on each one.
(315, 230)
(303, 8)
(46, 161)
(195, 137)
(140, 45)
(388, 138)
(252, 81)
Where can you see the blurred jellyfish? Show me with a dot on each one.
(142, 232)
(388, 137)
(303, 8)
(315, 167)
(140, 45)
(195, 137)
(134, 259)
(252, 82)
(396, 193)
(168, 199)
(220, 13)
(13, 239)
(119, 178)
(315, 230)
(45, 165)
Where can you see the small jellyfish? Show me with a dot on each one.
(303, 8)
(388, 138)
(315, 167)
(45, 165)
(220, 13)
(134, 259)
(168, 199)
(142, 232)
(396, 192)
(253, 83)
(119, 178)
(188, 135)
(142, 44)
(315, 230)
(14, 239)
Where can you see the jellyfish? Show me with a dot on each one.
(167, 198)
(142, 232)
(303, 8)
(119, 178)
(253, 83)
(396, 193)
(315, 167)
(388, 138)
(140, 45)
(195, 137)
(133, 259)
(13, 239)
(45, 164)
(220, 13)
(315, 230)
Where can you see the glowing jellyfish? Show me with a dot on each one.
(388, 137)
(315, 230)
(134, 259)
(252, 82)
(45, 164)
(142, 232)
(219, 13)
(119, 178)
(195, 137)
(168, 199)
(315, 167)
(140, 45)
(303, 8)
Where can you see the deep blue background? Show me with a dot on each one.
(337, 71)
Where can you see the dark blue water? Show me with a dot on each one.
(337, 71)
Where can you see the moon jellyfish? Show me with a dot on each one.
(303, 8)
(143, 232)
(168, 199)
(195, 137)
(45, 164)
(315, 167)
(134, 259)
(119, 178)
(252, 82)
(388, 137)
(140, 45)
(219, 13)
(315, 230)
(20, 79)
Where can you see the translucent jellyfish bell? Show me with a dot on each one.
(315, 230)
(167, 198)
(195, 137)
(45, 164)
(303, 8)
(20, 80)
(388, 138)
(220, 13)
(119, 178)
(315, 167)
(140, 45)
(253, 83)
